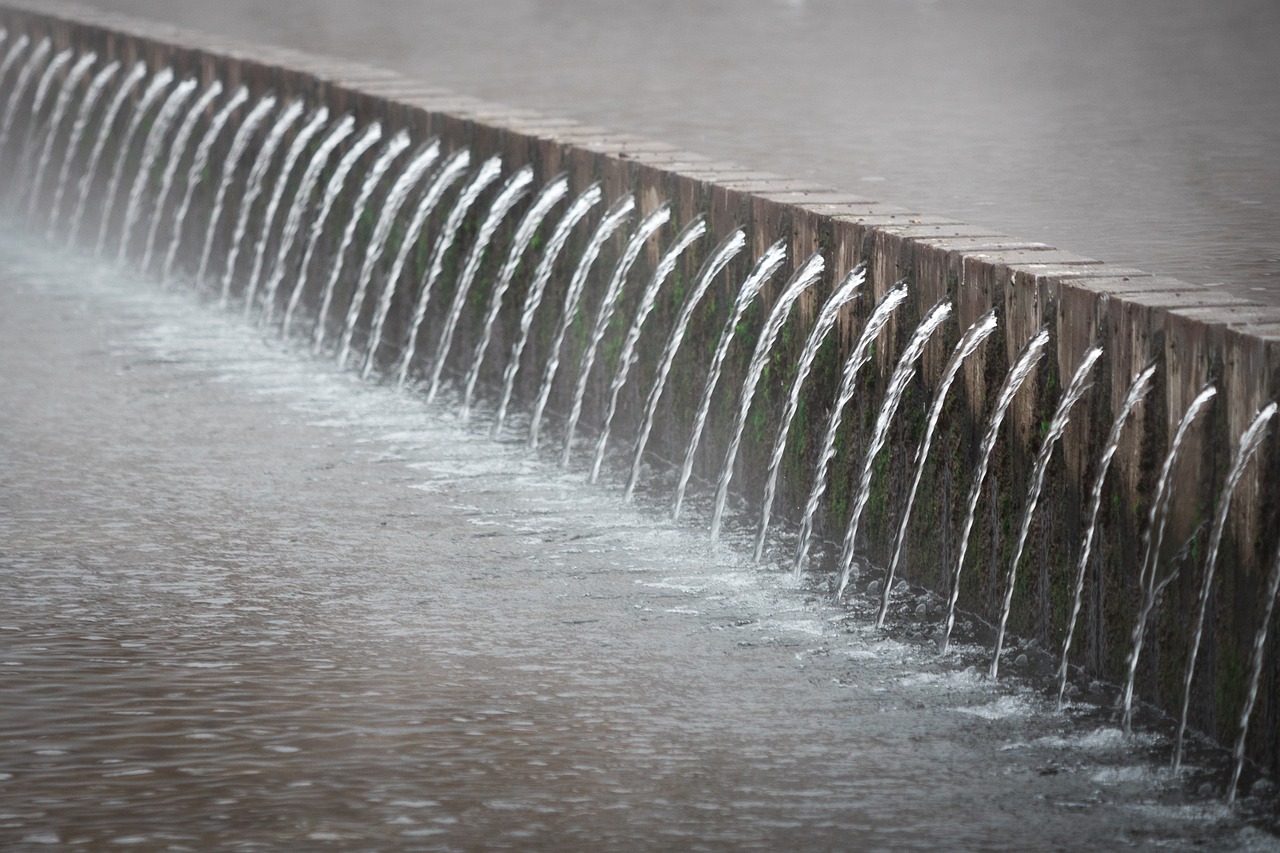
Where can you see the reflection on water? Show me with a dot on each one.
(247, 602)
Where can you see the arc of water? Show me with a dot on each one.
(627, 358)
(109, 116)
(1250, 441)
(150, 96)
(181, 142)
(155, 139)
(1255, 676)
(515, 189)
(195, 174)
(547, 198)
(65, 93)
(91, 97)
(1138, 390)
(901, 377)
(35, 127)
(1022, 368)
(393, 149)
(853, 365)
(413, 172)
(1152, 539)
(301, 203)
(579, 208)
(1057, 426)
(257, 174)
(968, 344)
(604, 316)
(281, 184)
(239, 144)
(845, 293)
(19, 91)
(337, 181)
(803, 278)
(10, 59)
(485, 175)
(729, 248)
(766, 265)
(614, 218)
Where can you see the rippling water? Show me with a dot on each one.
(249, 603)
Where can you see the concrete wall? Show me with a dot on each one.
(1194, 335)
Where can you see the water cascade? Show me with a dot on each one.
(1138, 390)
(848, 290)
(579, 208)
(44, 85)
(181, 141)
(900, 378)
(19, 91)
(547, 198)
(239, 144)
(151, 146)
(804, 277)
(688, 235)
(54, 126)
(512, 192)
(109, 116)
(1148, 586)
(410, 175)
(848, 380)
(1250, 441)
(967, 346)
(614, 218)
(1057, 426)
(1013, 380)
(337, 181)
(150, 96)
(648, 226)
(91, 97)
(720, 257)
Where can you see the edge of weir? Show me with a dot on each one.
(1195, 334)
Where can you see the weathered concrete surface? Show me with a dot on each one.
(1194, 335)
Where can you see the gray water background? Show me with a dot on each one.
(1144, 133)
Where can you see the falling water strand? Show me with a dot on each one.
(626, 359)
(449, 173)
(1250, 441)
(19, 90)
(860, 355)
(803, 278)
(608, 306)
(257, 174)
(898, 381)
(1152, 539)
(34, 126)
(844, 294)
(56, 118)
(968, 344)
(1057, 426)
(614, 218)
(719, 258)
(10, 59)
(413, 172)
(337, 181)
(127, 85)
(1138, 390)
(298, 210)
(581, 205)
(515, 189)
(766, 265)
(195, 174)
(393, 149)
(150, 95)
(280, 185)
(1018, 374)
(546, 199)
(1255, 677)
(181, 141)
(155, 139)
(239, 144)
(91, 97)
